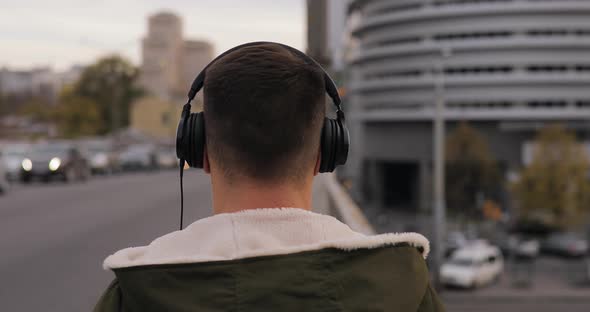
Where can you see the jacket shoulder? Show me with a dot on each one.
(431, 302)
(389, 278)
(111, 299)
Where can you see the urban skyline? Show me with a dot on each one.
(67, 33)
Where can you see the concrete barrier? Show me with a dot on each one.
(331, 198)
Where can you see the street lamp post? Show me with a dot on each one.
(439, 207)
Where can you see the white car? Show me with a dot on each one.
(138, 157)
(100, 155)
(474, 265)
(166, 158)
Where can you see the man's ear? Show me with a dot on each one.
(206, 166)
(316, 170)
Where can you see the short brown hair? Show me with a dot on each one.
(264, 108)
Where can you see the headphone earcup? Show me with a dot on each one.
(327, 146)
(342, 145)
(195, 142)
(334, 145)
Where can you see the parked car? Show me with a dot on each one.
(54, 160)
(12, 156)
(474, 265)
(455, 240)
(532, 228)
(166, 158)
(138, 157)
(523, 247)
(101, 156)
(565, 244)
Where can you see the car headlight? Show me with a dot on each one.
(27, 164)
(54, 163)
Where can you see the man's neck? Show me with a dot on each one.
(233, 198)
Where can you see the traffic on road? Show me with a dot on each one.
(73, 161)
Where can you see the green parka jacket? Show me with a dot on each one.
(272, 260)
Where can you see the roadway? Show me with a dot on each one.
(53, 238)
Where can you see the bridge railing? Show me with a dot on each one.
(331, 198)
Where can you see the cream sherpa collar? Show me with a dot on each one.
(253, 233)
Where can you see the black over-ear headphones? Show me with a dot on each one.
(190, 135)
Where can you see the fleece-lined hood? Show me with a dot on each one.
(255, 233)
(287, 260)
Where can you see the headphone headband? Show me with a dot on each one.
(331, 88)
(190, 136)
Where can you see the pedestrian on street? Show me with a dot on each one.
(263, 137)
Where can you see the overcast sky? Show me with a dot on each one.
(60, 33)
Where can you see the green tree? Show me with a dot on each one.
(112, 84)
(471, 171)
(554, 188)
(37, 109)
(77, 116)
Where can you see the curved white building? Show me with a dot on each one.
(508, 66)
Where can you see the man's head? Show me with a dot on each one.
(264, 110)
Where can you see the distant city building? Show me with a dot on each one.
(196, 55)
(37, 82)
(317, 31)
(507, 67)
(15, 81)
(71, 75)
(169, 63)
(326, 20)
(19, 87)
(337, 33)
(161, 54)
(155, 117)
(40, 82)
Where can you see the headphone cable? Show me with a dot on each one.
(181, 192)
